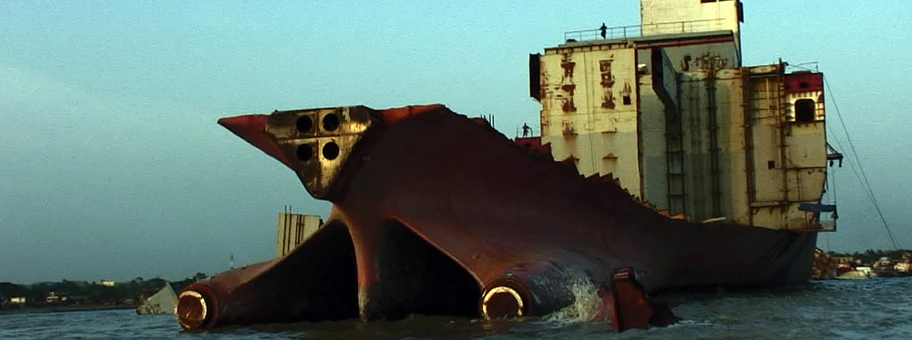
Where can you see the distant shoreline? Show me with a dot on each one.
(62, 309)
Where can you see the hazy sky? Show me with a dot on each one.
(114, 167)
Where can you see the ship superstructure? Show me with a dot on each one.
(668, 108)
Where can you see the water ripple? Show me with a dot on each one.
(864, 309)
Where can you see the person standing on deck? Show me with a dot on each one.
(604, 30)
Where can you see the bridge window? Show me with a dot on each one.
(804, 110)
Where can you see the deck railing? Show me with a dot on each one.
(635, 31)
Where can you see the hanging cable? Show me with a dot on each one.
(864, 177)
(834, 187)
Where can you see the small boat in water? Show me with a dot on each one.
(164, 301)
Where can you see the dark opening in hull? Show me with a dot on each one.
(319, 281)
(417, 278)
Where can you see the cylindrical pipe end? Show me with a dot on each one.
(194, 309)
(505, 298)
(501, 302)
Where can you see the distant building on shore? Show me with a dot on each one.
(52, 297)
(106, 283)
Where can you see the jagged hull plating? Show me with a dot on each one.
(436, 213)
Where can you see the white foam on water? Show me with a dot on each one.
(586, 305)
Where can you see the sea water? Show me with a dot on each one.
(864, 309)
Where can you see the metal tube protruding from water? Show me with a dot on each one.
(192, 309)
(501, 302)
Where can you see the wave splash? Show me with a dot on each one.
(585, 307)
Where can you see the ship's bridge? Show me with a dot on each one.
(680, 39)
(669, 110)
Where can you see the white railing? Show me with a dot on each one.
(635, 31)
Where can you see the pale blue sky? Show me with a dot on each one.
(114, 166)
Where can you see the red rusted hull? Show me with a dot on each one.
(429, 204)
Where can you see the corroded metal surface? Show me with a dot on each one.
(626, 306)
(436, 213)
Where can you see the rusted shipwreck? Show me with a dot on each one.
(436, 213)
(658, 151)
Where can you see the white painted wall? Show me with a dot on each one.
(584, 114)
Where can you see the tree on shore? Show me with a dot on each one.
(83, 292)
(870, 256)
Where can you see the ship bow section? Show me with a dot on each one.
(438, 205)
